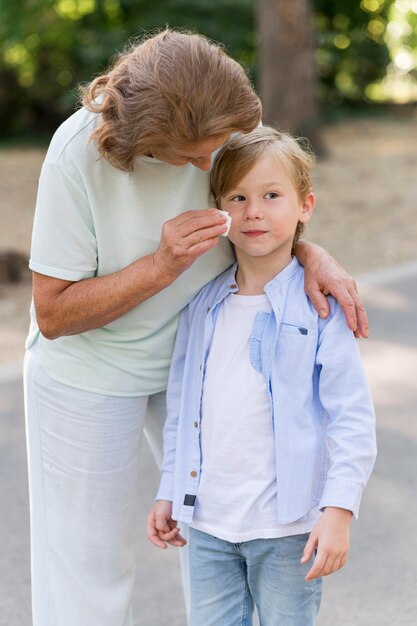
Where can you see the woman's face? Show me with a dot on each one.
(197, 153)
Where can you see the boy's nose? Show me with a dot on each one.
(252, 211)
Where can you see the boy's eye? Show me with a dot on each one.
(272, 195)
(238, 198)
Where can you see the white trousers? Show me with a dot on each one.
(84, 480)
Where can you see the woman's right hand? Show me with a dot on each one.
(186, 237)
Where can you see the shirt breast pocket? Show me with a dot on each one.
(296, 350)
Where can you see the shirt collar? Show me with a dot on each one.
(229, 284)
(284, 275)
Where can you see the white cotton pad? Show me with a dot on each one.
(228, 224)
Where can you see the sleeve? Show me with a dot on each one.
(175, 382)
(63, 240)
(346, 398)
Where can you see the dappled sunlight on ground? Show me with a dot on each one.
(366, 188)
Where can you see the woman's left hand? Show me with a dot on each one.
(324, 276)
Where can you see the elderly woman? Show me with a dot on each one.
(123, 239)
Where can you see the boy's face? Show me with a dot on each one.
(265, 209)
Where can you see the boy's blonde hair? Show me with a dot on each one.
(237, 157)
(169, 89)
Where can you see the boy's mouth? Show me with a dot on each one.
(254, 233)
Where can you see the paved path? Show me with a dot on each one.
(378, 587)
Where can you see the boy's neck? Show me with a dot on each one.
(255, 272)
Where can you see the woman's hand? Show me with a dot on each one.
(185, 238)
(324, 276)
(331, 538)
(162, 529)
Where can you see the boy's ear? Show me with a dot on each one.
(307, 207)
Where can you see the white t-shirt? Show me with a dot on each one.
(236, 499)
(92, 219)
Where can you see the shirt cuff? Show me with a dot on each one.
(342, 495)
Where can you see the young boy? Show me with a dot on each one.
(270, 432)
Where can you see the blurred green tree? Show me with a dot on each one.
(47, 47)
(351, 50)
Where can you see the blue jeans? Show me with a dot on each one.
(228, 579)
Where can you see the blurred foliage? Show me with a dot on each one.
(48, 47)
(351, 47)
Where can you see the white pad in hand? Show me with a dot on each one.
(228, 224)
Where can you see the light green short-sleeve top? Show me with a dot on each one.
(92, 219)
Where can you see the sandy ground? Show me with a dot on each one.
(366, 214)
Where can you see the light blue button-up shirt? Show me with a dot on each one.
(322, 411)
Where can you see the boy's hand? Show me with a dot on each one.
(162, 529)
(331, 538)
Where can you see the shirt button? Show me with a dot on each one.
(233, 286)
(195, 424)
(193, 473)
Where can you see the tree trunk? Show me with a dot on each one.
(286, 66)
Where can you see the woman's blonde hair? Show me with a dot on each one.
(237, 157)
(169, 89)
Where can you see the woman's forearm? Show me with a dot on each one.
(68, 308)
